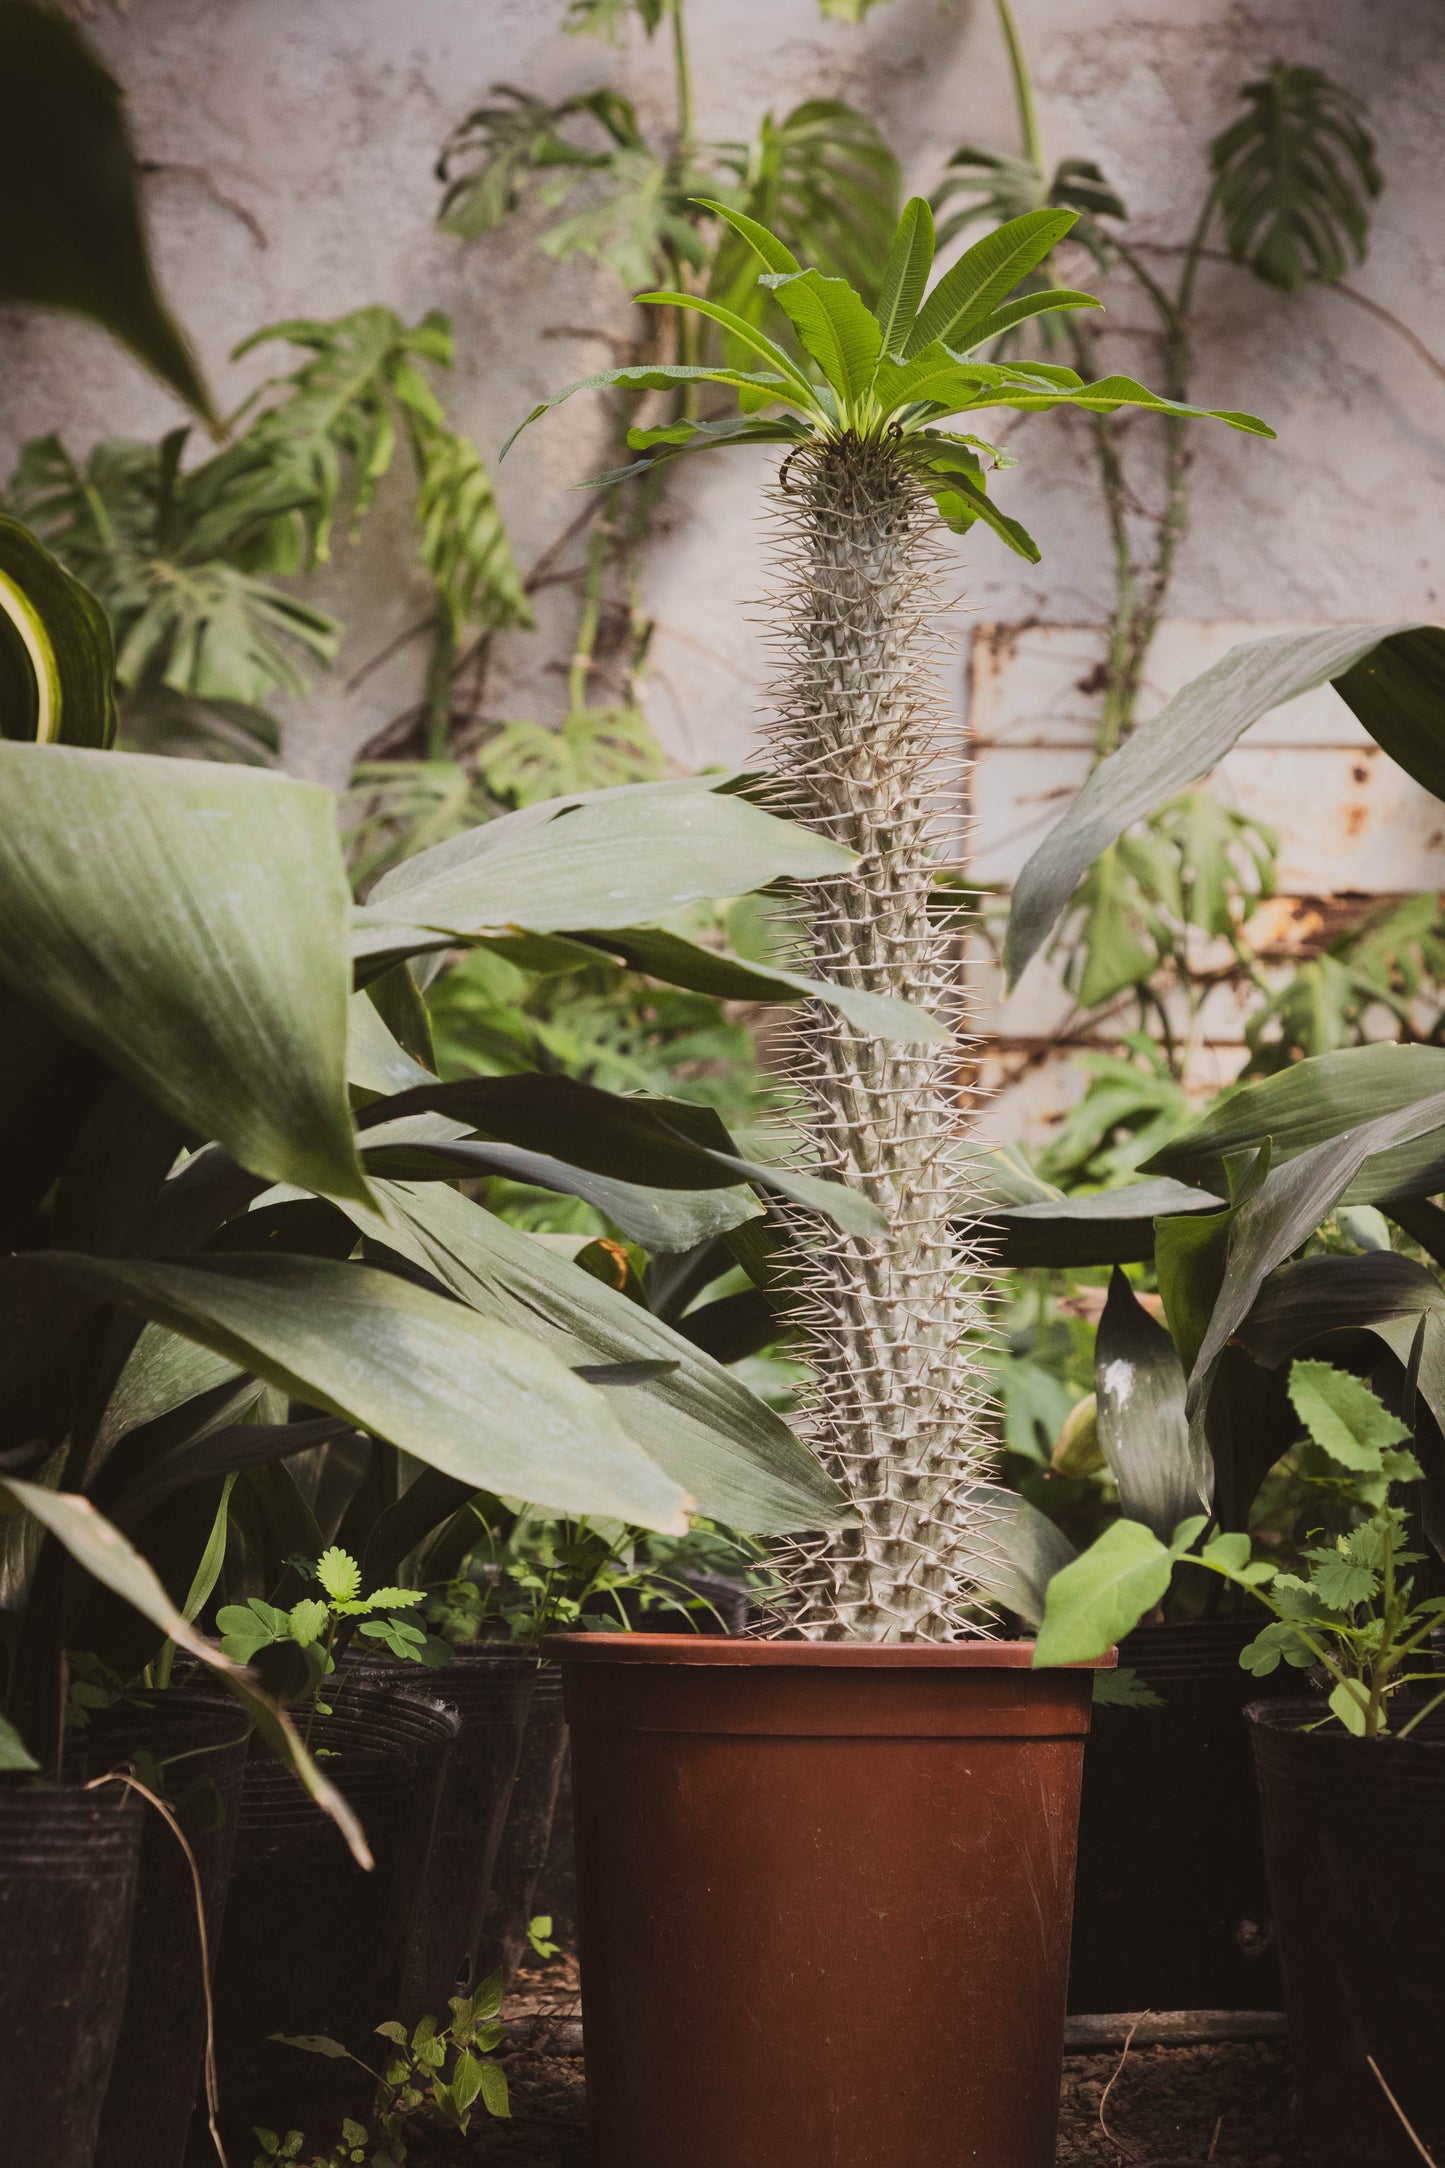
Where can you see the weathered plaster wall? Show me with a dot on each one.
(294, 142)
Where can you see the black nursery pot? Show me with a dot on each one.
(488, 1688)
(68, 1866)
(313, 1943)
(159, 2057)
(1171, 1909)
(1354, 1833)
(527, 1832)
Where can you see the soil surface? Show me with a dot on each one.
(1166, 2107)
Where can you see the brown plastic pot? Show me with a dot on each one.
(824, 1894)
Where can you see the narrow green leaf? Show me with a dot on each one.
(798, 391)
(1024, 309)
(475, 1398)
(962, 500)
(986, 274)
(188, 923)
(836, 329)
(1198, 727)
(679, 962)
(665, 376)
(910, 259)
(774, 255)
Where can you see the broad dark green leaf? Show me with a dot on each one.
(1312, 1296)
(1143, 1430)
(71, 230)
(1112, 1226)
(57, 660)
(1325, 1097)
(188, 923)
(607, 858)
(1398, 692)
(1285, 1209)
(658, 1143)
(1102, 1594)
(1294, 177)
(475, 1397)
(737, 1459)
(163, 1371)
(1189, 1257)
(663, 1219)
(679, 962)
(105, 1554)
(1191, 735)
(1012, 1550)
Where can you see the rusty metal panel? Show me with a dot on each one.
(1351, 826)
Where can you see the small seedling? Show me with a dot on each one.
(314, 1623)
(435, 2074)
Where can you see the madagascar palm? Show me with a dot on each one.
(897, 1410)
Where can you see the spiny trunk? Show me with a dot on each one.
(892, 1326)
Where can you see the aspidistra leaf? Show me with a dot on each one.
(188, 922)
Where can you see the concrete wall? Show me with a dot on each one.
(293, 142)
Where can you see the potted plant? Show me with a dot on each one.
(1351, 1777)
(761, 1823)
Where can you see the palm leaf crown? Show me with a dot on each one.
(897, 372)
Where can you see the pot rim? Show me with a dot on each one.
(738, 1650)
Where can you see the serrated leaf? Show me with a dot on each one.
(309, 1620)
(1343, 1417)
(382, 1599)
(339, 1574)
(1338, 1581)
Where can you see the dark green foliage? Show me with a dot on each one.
(1295, 176)
(185, 559)
(71, 230)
